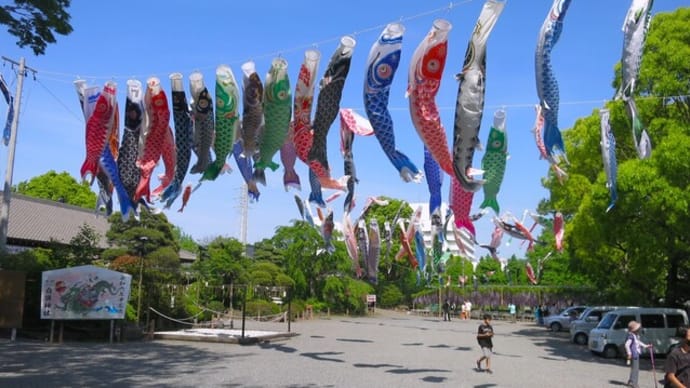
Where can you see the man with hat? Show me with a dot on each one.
(633, 348)
(677, 366)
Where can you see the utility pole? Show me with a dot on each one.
(244, 204)
(244, 216)
(140, 246)
(5, 210)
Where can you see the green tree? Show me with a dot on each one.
(85, 245)
(223, 262)
(153, 229)
(60, 187)
(264, 273)
(185, 241)
(391, 271)
(515, 272)
(83, 249)
(458, 266)
(488, 271)
(637, 252)
(35, 22)
(391, 296)
(265, 251)
(148, 250)
(305, 260)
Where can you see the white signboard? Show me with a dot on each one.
(371, 298)
(86, 292)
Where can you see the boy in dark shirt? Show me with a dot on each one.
(484, 334)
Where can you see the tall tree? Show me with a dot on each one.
(83, 249)
(60, 187)
(223, 262)
(305, 260)
(35, 22)
(637, 252)
(147, 249)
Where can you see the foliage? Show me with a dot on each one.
(56, 187)
(317, 305)
(185, 241)
(497, 297)
(34, 260)
(223, 262)
(488, 271)
(305, 260)
(83, 249)
(637, 252)
(149, 232)
(35, 22)
(458, 266)
(283, 280)
(347, 294)
(297, 308)
(264, 273)
(260, 307)
(391, 296)
(146, 248)
(84, 245)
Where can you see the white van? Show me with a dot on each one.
(588, 320)
(659, 328)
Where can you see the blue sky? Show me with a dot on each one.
(138, 39)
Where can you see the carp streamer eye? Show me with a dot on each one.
(384, 71)
(433, 65)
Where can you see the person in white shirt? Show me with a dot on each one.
(468, 309)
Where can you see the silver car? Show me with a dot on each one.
(561, 321)
(588, 320)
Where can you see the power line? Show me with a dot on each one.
(301, 47)
(79, 118)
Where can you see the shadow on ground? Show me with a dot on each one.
(89, 364)
(558, 347)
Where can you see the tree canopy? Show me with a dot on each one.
(35, 22)
(637, 252)
(59, 187)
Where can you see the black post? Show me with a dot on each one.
(244, 309)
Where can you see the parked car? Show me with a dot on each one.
(659, 327)
(588, 320)
(560, 321)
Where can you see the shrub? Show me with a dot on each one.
(391, 296)
(260, 307)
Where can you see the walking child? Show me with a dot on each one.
(485, 333)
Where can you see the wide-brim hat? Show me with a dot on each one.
(634, 326)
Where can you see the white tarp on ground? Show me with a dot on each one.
(86, 292)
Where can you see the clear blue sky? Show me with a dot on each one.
(124, 39)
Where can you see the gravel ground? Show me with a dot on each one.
(387, 349)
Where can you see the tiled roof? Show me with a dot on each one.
(40, 220)
(36, 221)
(186, 255)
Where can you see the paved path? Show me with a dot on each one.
(386, 350)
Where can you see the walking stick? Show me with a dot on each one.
(651, 354)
